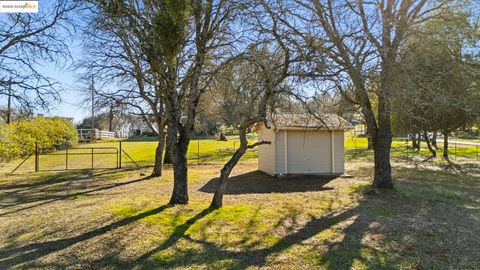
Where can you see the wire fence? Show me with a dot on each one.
(141, 153)
(200, 152)
(121, 154)
(459, 150)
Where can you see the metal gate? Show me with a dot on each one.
(88, 152)
(64, 160)
(78, 158)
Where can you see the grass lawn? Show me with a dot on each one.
(211, 151)
(118, 219)
(141, 150)
(355, 147)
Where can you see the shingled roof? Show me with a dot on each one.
(307, 121)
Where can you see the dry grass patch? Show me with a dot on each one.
(118, 219)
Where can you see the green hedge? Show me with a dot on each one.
(18, 139)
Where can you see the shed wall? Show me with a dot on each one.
(339, 158)
(266, 152)
(280, 152)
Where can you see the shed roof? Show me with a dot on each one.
(324, 121)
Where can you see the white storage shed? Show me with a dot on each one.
(302, 144)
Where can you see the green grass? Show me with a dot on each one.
(116, 219)
(140, 150)
(356, 147)
(211, 151)
(204, 151)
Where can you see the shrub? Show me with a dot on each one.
(18, 139)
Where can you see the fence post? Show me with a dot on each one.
(66, 159)
(354, 144)
(36, 158)
(92, 158)
(406, 146)
(455, 153)
(120, 156)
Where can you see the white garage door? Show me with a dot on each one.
(309, 152)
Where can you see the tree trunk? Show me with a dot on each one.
(369, 140)
(414, 142)
(382, 139)
(432, 150)
(9, 104)
(217, 201)
(178, 153)
(418, 141)
(380, 132)
(158, 167)
(434, 140)
(110, 119)
(167, 159)
(445, 145)
(180, 181)
(383, 170)
(223, 137)
(178, 139)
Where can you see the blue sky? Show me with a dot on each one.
(68, 87)
(70, 104)
(71, 97)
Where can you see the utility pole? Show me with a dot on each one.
(93, 105)
(9, 103)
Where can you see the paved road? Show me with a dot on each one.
(451, 142)
(459, 142)
(465, 143)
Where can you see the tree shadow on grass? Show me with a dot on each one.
(385, 230)
(45, 197)
(41, 181)
(424, 223)
(178, 234)
(31, 252)
(251, 256)
(259, 182)
(349, 251)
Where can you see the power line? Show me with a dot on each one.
(72, 104)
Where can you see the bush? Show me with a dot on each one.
(18, 139)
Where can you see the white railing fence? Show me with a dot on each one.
(89, 134)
